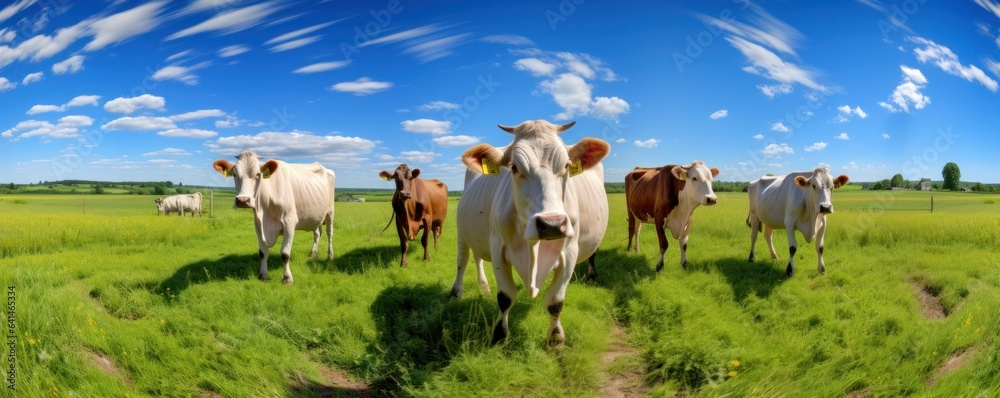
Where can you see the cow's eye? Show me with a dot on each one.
(513, 168)
(695, 178)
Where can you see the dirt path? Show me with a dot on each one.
(954, 363)
(105, 365)
(931, 304)
(622, 369)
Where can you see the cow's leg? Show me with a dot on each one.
(404, 242)
(262, 251)
(662, 237)
(592, 270)
(461, 262)
(820, 235)
(507, 293)
(329, 236)
(632, 232)
(423, 239)
(790, 229)
(286, 253)
(554, 298)
(437, 234)
(316, 235)
(484, 284)
(684, 247)
(768, 231)
(754, 226)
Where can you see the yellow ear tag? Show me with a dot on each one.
(489, 168)
(229, 173)
(575, 168)
(266, 173)
(384, 177)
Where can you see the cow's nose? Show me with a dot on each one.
(551, 226)
(243, 202)
(826, 209)
(710, 200)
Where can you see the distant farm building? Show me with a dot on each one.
(349, 198)
(925, 185)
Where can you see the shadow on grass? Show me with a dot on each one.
(619, 272)
(359, 260)
(233, 266)
(323, 390)
(759, 278)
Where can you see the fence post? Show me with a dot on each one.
(211, 204)
(932, 203)
(85, 206)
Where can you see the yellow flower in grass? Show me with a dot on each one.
(735, 363)
(31, 341)
(732, 374)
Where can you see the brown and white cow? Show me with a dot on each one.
(667, 197)
(284, 198)
(796, 201)
(179, 204)
(417, 204)
(528, 217)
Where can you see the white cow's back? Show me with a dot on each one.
(305, 189)
(773, 197)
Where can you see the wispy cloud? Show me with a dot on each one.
(818, 146)
(291, 45)
(80, 100)
(946, 60)
(719, 114)
(779, 127)
(776, 149)
(69, 66)
(124, 25)
(300, 32)
(650, 143)
(427, 126)
(232, 51)
(230, 21)
(183, 74)
(132, 104)
(362, 86)
(437, 106)
(321, 67)
(513, 40)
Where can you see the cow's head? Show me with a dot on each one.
(159, 204)
(248, 173)
(539, 165)
(403, 176)
(697, 183)
(819, 188)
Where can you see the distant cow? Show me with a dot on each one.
(417, 204)
(797, 201)
(543, 210)
(666, 197)
(179, 204)
(284, 198)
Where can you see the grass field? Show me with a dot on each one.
(121, 302)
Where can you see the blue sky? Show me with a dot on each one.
(130, 90)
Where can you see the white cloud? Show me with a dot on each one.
(401, 36)
(769, 65)
(908, 92)
(230, 122)
(437, 106)
(432, 49)
(168, 152)
(846, 113)
(851, 166)
(944, 58)
(456, 140)
(534, 66)
(321, 67)
(75, 121)
(608, 108)
(719, 114)
(36, 109)
(300, 32)
(570, 92)
(79, 100)
(70, 65)
(188, 133)
(818, 146)
(577, 65)
(182, 74)
(232, 51)
(990, 6)
(119, 27)
(181, 54)
(329, 149)
(758, 137)
(7, 35)
(842, 136)
(14, 8)
(513, 40)
(779, 127)
(844, 109)
(774, 149)
(68, 127)
(362, 86)
(291, 45)
(620, 141)
(650, 143)
(766, 29)
(771, 90)
(418, 156)
(32, 78)
(886, 136)
(199, 114)
(140, 123)
(230, 21)
(130, 105)
(6, 85)
(427, 126)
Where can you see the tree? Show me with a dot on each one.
(952, 175)
(99, 190)
(158, 190)
(898, 181)
(12, 186)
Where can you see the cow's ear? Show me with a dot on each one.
(588, 152)
(223, 167)
(679, 172)
(841, 181)
(414, 173)
(715, 172)
(801, 181)
(483, 159)
(385, 175)
(268, 168)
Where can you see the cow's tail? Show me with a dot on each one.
(760, 226)
(383, 229)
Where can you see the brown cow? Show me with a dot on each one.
(417, 204)
(667, 196)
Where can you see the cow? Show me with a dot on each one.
(179, 204)
(284, 198)
(667, 197)
(417, 204)
(796, 201)
(528, 216)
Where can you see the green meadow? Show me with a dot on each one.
(122, 302)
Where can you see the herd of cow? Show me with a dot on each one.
(537, 206)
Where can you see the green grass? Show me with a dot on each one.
(174, 303)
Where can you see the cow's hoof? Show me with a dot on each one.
(262, 277)
(822, 271)
(659, 266)
(456, 294)
(751, 259)
(789, 272)
(287, 280)
(684, 265)
(499, 334)
(485, 287)
(556, 339)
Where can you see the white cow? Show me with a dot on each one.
(284, 198)
(797, 201)
(179, 204)
(529, 215)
